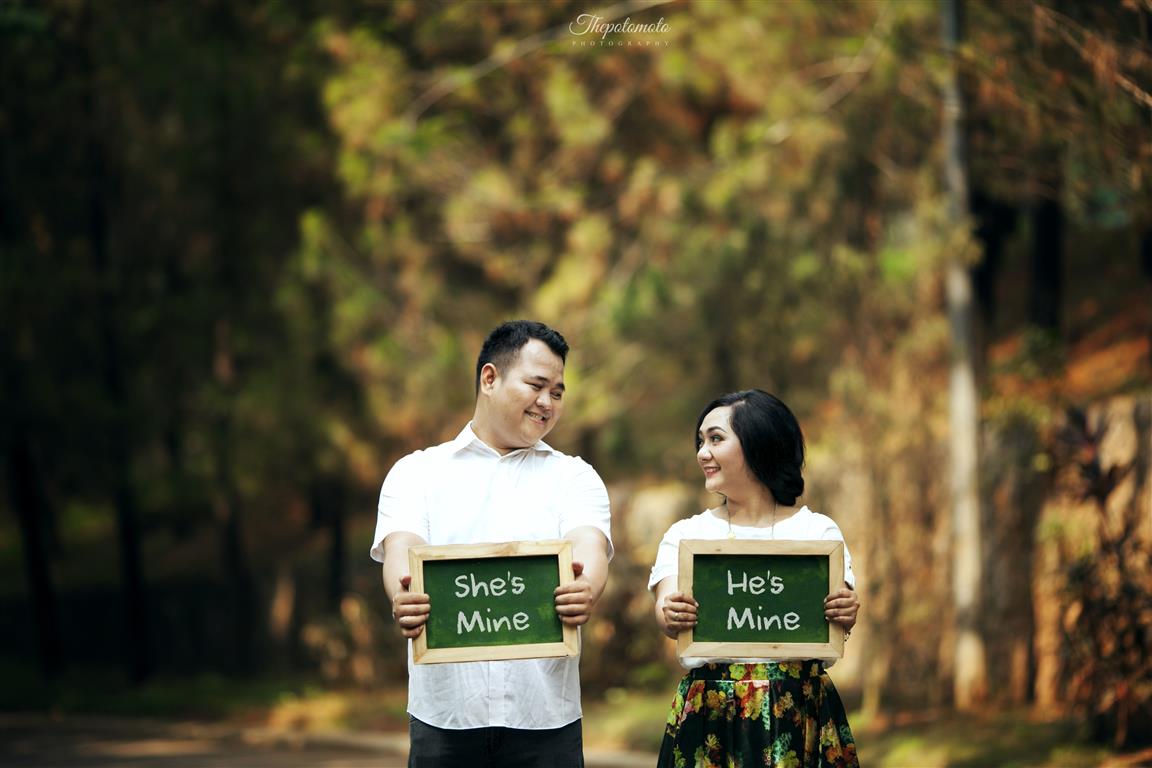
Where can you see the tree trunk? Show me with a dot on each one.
(1047, 265)
(137, 646)
(31, 504)
(884, 606)
(231, 251)
(1014, 502)
(227, 507)
(970, 679)
(994, 223)
(327, 499)
(1146, 253)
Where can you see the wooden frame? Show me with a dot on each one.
(686, 645)
(568, 645)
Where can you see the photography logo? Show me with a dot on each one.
(592, 31)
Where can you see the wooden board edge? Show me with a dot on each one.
(687, 647)
(416, 571)
(496, 653)
(773, 651)
(569, 644)
(495, 549)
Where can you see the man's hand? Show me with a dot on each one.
(575, 599)
(410, 609)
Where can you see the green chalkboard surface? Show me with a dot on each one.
(761, 598)
(492, 601)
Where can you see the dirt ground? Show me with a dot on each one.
(34, 741)
(40, 742)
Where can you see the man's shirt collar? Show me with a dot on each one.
(467, 438)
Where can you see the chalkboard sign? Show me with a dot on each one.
(492, 601)
(761, 599)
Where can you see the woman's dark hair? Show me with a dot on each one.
(771, 438)
(503, 345)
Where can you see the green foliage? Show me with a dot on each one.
(94, 692)
(1003, 739)
(312, 214)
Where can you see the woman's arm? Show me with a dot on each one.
(675, 611)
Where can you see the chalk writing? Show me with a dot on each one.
(468, 586)
(739, 620)
(492, 601)
(757, 585)
(478, 623)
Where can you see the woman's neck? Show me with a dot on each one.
(758, 511)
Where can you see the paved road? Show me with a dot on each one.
(32, 741)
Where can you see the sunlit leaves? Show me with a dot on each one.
(575, 120)
(371, 89)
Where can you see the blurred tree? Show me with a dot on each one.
(1107, 616)
(311, 213)
(23, 478)
(154, 191)
(970, 677)
(22, 229)
(695, 218)
(1058, 94)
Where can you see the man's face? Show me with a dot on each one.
(526, 400)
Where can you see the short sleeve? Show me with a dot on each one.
(849, 575)
(667, 557)
(585, 502)
(402, 504)
(832, 532)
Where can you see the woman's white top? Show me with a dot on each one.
(804, 525)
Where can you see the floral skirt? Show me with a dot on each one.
(780, 714)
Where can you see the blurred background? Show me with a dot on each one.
(249, 251)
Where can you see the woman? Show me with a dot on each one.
(746, 712)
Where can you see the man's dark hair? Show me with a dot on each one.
(503, 345)
(771, 438)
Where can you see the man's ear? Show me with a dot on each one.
(488, 376)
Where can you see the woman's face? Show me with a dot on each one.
(721, 456)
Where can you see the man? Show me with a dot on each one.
(498, 481)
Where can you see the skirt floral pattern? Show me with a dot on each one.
(779, 715)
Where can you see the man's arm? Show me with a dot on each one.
(410, 609)
(575, 600)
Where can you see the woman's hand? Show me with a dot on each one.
(841, 607)
(678, 613)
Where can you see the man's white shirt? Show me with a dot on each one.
(464, 492)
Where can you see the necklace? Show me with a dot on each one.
(771, 526)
